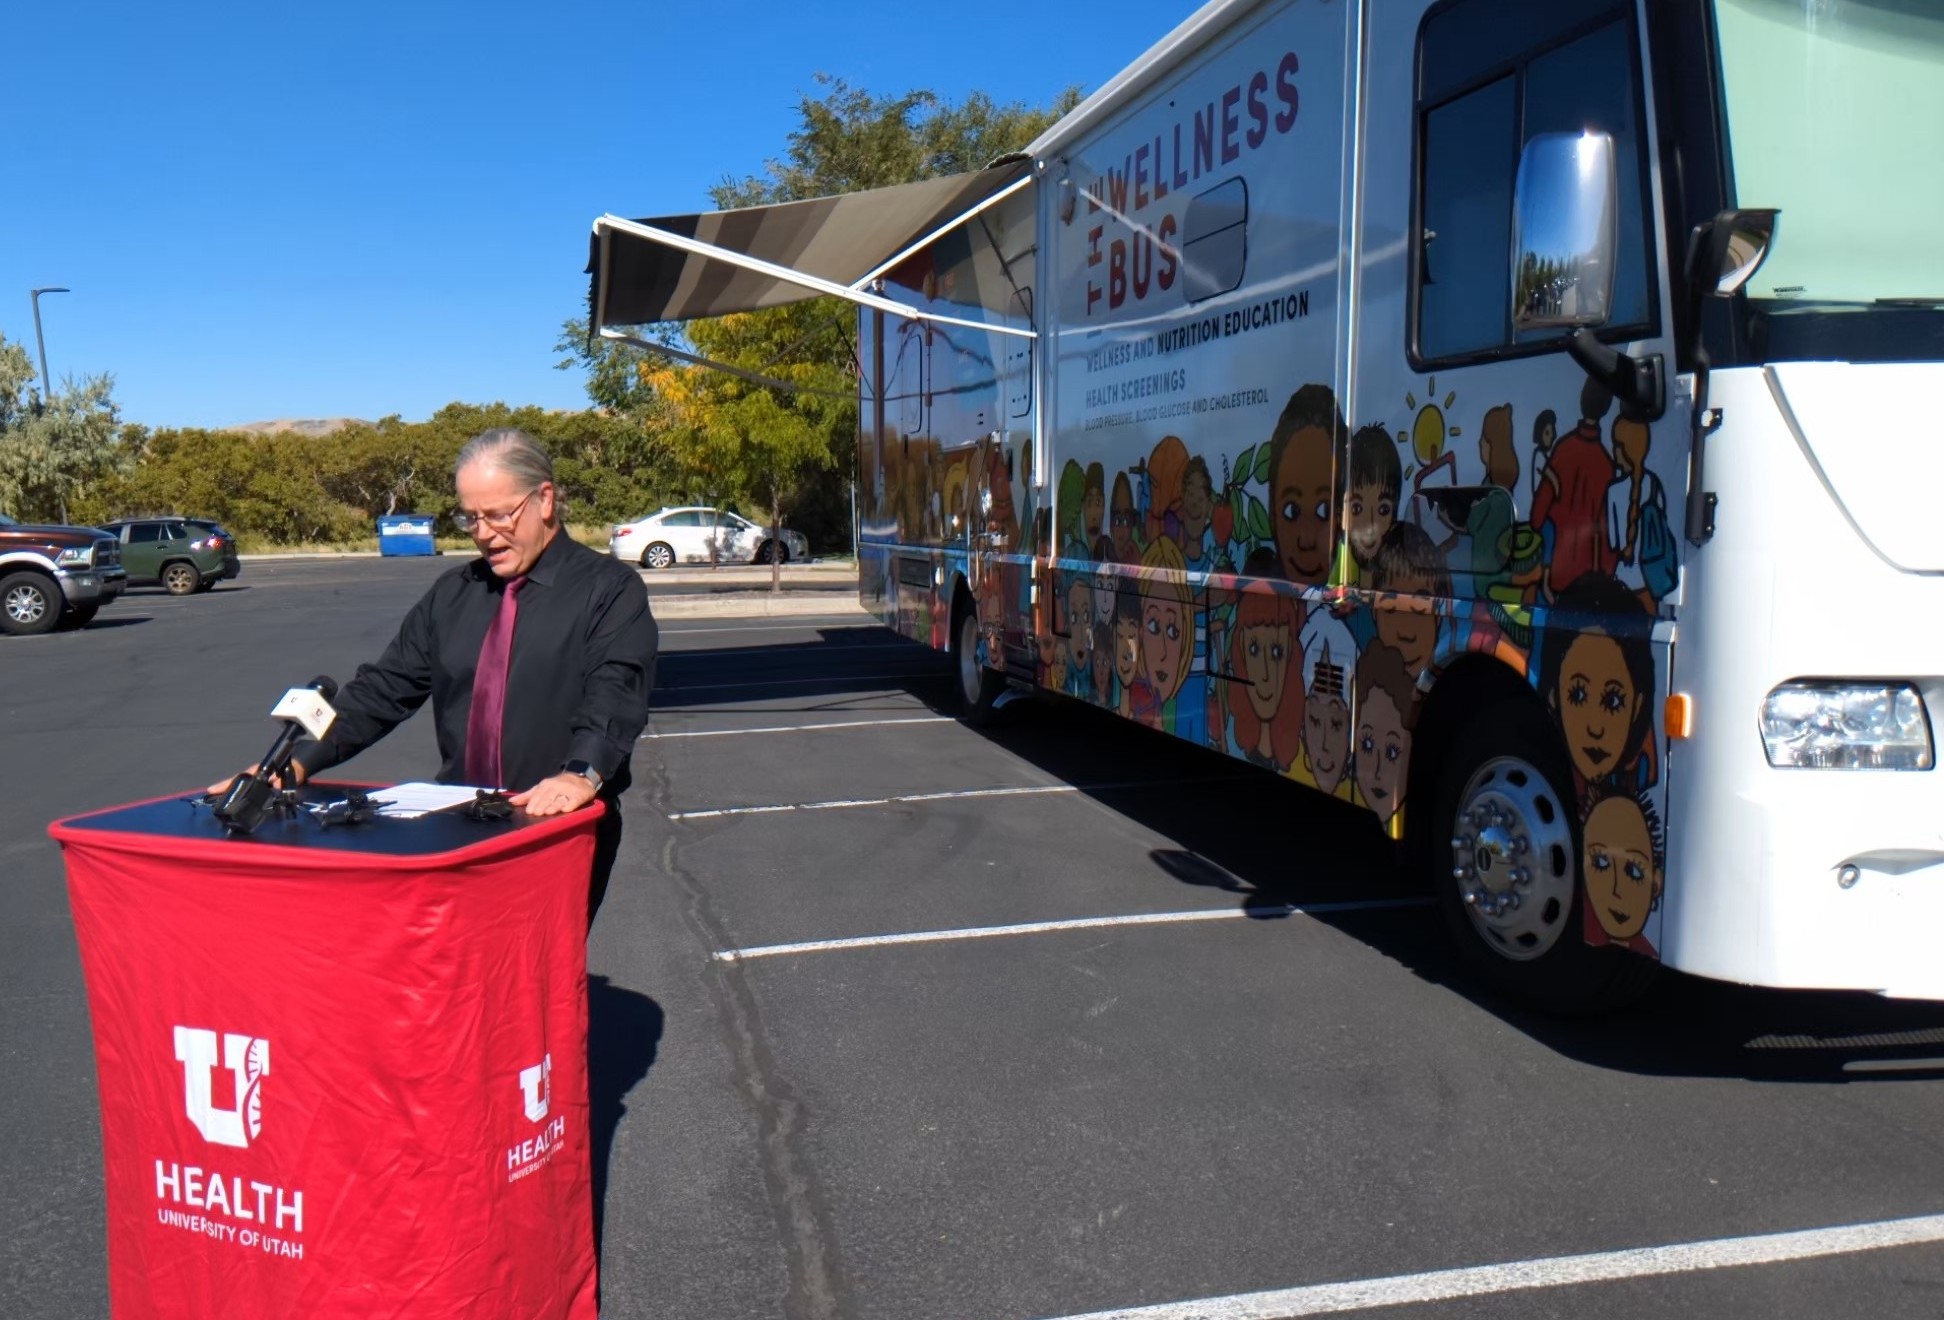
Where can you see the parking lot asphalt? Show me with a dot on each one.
(894, 1018)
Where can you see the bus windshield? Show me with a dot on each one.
(1833, 110)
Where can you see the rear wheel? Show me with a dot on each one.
(975, 686)
(658, 555)
(1505, 858)
(29, 604)
(181, 579)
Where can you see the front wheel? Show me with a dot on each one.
(658, 555)
(29, 603)
(773, 552)
(1506, 865)
(976, 687)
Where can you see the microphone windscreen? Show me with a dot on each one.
(325, 686)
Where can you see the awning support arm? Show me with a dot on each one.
(754, 377)
(614, 224)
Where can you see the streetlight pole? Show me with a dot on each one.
(47, 390)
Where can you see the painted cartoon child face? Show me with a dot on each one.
(1127, 651)
(1406, 624)
(1057, 671)
(1265, 663)
(1303, 512)
(1372, 512)
(1597, 703)
(1091, 506)
(1103, 597)
(1079, 606)
(1080, 638)
(1621, 877)
(1103, 660)
(1383, 750)
(1123, 523)
(1326, 738)
(1164, 644)
(1197, 501)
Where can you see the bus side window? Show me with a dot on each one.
(1481, 98)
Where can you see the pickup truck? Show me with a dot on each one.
(52, 577)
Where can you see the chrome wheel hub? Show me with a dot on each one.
(25, 605)
(1512, 858)
(970, 680)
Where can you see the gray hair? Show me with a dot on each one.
(512, 451)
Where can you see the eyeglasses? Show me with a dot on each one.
(499, 522)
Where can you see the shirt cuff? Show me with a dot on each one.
(596, 751)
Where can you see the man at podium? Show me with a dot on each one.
(538, 656)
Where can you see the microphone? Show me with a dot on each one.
(303, 710)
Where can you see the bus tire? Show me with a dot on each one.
(975, 687)
(1504, 855)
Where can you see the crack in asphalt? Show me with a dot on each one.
(798, 1207)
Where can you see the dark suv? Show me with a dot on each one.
(184, 555)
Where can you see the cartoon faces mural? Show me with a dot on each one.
(1369, 559)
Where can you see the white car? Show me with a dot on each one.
(684, 536)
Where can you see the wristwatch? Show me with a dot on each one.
(585, 771)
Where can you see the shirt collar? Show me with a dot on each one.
(544, 569)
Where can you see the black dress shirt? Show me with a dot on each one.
(577, 684)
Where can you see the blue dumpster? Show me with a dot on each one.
(405, 534)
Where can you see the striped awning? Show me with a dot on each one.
(681, 267)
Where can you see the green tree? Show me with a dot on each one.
(54, 452)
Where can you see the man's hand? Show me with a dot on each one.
(297, 776)
(555, 796)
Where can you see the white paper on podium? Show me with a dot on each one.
(410, 801)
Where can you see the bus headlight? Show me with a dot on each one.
(1847, 726)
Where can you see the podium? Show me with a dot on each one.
(343, 1069)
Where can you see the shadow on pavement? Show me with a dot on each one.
(624, 1031)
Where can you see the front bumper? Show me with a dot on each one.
(91, 586)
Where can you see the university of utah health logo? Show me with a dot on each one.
(536, 1088)
(225, 1106)
(536, 1096)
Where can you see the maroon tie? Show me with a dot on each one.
(484, 721)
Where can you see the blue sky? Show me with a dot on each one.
(355, 209)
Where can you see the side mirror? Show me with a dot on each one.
(1725, 253)
(1565, 232)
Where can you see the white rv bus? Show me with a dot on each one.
(1507, 415)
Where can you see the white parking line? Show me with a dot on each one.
(1550, 1272)
(841, 803)
(1078, 923)
(804, 728)
(808, 621)
(801, 682)
(816, 649)
(1027, 790)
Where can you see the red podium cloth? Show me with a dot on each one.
(338, 1082)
